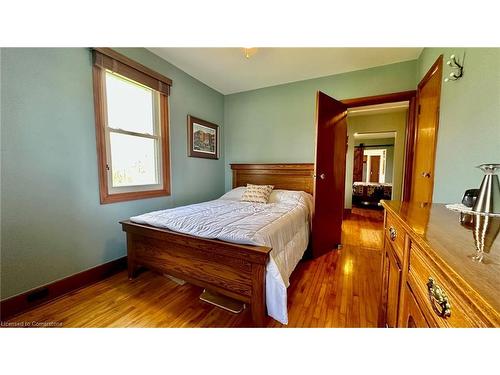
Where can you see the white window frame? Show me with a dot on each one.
(157, 136)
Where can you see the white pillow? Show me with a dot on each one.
(293, 197)
(277, 195)
(234, 194)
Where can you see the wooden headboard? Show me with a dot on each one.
(282, 176)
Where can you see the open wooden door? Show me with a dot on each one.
(329, 182)
(428, 101)
(374, 168)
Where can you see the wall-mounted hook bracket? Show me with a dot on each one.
(458, 67)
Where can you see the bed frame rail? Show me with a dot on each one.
(237, 271)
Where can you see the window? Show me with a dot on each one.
(131, 105)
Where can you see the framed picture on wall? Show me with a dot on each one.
(203, 138)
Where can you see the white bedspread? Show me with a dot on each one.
(282, 224)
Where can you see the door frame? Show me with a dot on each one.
(411, 97)
(382, 154)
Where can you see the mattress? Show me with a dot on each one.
(372, 190)
(283, 224)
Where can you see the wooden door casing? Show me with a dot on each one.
(428, 102)
(410, 132)
(329, 182)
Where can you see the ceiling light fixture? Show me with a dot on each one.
(249, 51)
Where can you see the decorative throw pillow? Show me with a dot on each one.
(257, 193)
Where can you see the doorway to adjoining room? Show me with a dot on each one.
(373, 168)
(336, 123)
(375, 156)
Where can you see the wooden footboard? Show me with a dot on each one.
(237, 271)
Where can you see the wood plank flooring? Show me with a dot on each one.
(340, 289)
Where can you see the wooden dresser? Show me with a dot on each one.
(439, 268)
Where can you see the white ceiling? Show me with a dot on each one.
(228, 71)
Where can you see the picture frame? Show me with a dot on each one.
(203, 138)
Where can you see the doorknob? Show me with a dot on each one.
(426, 174)
(322, 176)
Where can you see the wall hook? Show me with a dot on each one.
(458, 67)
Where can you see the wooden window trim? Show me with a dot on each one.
(98, 75)
(109, 59)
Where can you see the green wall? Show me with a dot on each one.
(384, 122)
(276, 124)
(469, 124)
(52, 224)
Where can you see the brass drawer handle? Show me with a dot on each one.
(393, 233)
(439, 299)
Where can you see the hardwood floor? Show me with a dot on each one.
(363, 228)
(339, 289)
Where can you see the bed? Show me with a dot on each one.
(370, 193)
(245, 251)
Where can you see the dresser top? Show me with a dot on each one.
(468, 244)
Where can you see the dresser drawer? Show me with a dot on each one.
(436, 294)
(395, 234)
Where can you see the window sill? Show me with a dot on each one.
(131, 196)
